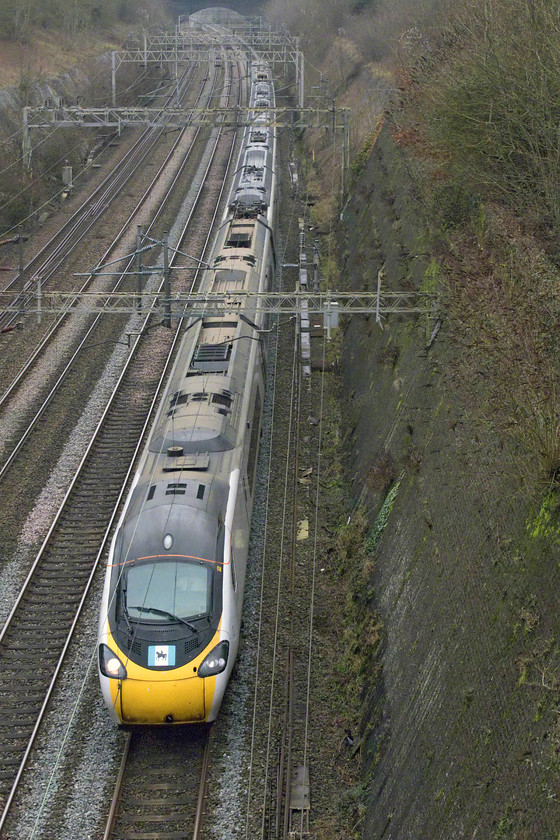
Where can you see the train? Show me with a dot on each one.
(170, 617)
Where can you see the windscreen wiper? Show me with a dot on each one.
(122, 609)
(168, 614)
(126, 618)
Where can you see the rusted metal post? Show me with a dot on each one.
(166, 283)
(113, 78)
(21, 267)
(139, 234)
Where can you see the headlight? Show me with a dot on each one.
(216, 661)
(110, 665)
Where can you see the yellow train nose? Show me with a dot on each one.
(166, 701)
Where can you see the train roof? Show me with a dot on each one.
(194, 524)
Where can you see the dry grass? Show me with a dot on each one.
(47, 54)
(503, 294)
(382, 474)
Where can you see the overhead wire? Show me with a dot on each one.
(92, 659)
(52, 197)
(11, 137)
(36, 146)
(93, 656)
(37, 180)
(54, 130)
(172, 420)
(86, 675)
(89, 666)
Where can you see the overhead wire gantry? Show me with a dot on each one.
(185, 44)
(190, 43)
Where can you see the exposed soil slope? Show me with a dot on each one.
(461, 730)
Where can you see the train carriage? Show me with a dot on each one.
(171, 609)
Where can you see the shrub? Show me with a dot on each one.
(494, 110)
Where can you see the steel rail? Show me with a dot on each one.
(202, 790)
(292, 464)
(268, 801)
(186, 762)
(118, 789)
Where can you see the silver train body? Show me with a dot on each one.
(171, 609)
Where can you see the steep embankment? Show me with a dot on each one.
(461, 722)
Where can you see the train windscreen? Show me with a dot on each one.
(156, 591)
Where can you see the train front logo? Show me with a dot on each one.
(161, 656)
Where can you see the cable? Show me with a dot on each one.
(314, 560)
(53, 196)
(37, 180)
(11, 136)
(264, 576)
(20, 159)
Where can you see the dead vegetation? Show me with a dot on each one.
(22, 21)
(503, 294)
(472, 90)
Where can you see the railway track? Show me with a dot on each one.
(38, 631)
(72, 234)
(35, 637)
(293, 800)
(160, 789)
(51, 256)
(278, 795)
(96, 331)
(157, 796)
